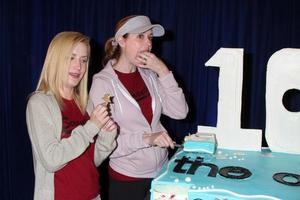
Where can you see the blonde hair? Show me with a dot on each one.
(56, 66)
(115, 51)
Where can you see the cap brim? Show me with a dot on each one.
(157, 30)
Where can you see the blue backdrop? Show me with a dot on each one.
(196, 29)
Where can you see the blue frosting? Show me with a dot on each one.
(195, 146)
(200, 142)
(229, 174)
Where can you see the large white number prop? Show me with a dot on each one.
(228, 131)
(282, 126)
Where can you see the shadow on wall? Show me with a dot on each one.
(97, 54)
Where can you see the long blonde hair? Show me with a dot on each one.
(56, 66)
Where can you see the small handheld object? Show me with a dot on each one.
(107, 99)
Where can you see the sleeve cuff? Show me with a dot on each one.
(142, 143)
(91, 130)
(107, 136)
(168, 80)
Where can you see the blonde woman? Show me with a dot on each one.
(143, 88)
(69, 137)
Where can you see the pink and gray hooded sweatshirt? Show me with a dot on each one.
(133, 157)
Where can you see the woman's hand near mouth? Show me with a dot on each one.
(150, 61)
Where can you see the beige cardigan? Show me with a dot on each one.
(50, 153)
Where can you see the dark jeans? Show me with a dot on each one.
(131, 190)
